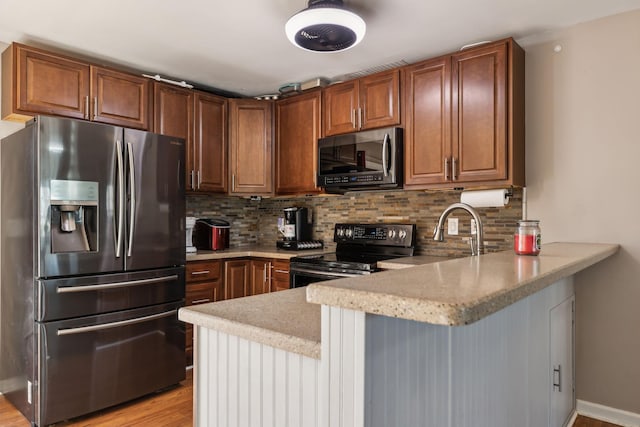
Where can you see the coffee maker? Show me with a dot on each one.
(296, 228)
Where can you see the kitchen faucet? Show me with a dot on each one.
(438, 233)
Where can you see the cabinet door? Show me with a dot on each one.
(479, 114)
(562, 394)
(250, 142)
(380, 100)
(280, 275)
(44, 83)
(236, 278)
(210, 143)
(120, 99)
(260, 282)
(297, 132)
(427, 143)
(341, 108)
(173, 115)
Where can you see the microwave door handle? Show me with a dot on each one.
(385, 155)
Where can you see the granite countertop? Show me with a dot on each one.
(256, 251)
(452, 292)
(281, 319)
(409, 261)
(459, 291)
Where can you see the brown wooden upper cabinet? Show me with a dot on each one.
(201, 120)
(367, 103)
(210, 144)
(40, 82)
(464, 117)
(250, 146)
(297, 131)
(173, 116)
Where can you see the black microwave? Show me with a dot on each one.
(361, 160)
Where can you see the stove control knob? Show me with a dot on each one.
(392, 233)
(340, 231)
(348, 232)
(402, 234)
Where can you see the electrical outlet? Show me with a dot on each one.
(474, 230)
(452, 226)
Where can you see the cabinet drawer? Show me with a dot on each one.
(198, 271)
(201, 293)
(281, 270)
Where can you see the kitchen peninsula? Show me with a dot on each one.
(477, 341)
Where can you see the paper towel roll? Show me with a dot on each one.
(485, 198)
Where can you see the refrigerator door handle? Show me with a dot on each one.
(101, 287)
(120, 197)
(83, 329)
(132, 197)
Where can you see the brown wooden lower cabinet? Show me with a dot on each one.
(254, 276)
(203, 285)
(260, 276)
(236, 278)
(216, 280)
(280, 275)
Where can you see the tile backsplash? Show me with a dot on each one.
(255, 222)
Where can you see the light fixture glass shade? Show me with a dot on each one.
(325, 29)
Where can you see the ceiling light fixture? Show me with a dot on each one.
(325, 26)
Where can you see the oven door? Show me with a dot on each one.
(303, 275)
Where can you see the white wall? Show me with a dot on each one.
(583, 178)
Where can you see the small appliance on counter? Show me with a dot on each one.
(190, 222)
(296, 229)
(211, 234)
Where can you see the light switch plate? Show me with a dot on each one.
(452, 226)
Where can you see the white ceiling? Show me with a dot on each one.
(240, 45)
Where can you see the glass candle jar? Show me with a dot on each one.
(526, 241)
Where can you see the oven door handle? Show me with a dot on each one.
(69, 289)
(323, 273)
(92, 328)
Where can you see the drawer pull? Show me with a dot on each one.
(201, 301)
(282, 271)
(198, 273)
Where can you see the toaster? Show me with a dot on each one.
(211, 234)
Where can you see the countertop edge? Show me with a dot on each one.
(250, 252)
(252, 333)
(442, 313)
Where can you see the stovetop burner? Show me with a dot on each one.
(360, 247)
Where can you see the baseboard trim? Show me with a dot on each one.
(572, 420)
(608, 414)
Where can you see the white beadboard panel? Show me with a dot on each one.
(240, 383)
(406, 371)
(492, 373)
(342, 368)
(489, 370)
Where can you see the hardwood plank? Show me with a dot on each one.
(583, 421)
(172, 407)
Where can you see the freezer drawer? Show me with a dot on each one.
(94, 362)
(92, 295)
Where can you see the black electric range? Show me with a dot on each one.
(359, 248)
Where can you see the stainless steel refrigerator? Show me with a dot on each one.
(92, 234)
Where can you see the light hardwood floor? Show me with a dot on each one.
(170, 408)
(590, 422)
